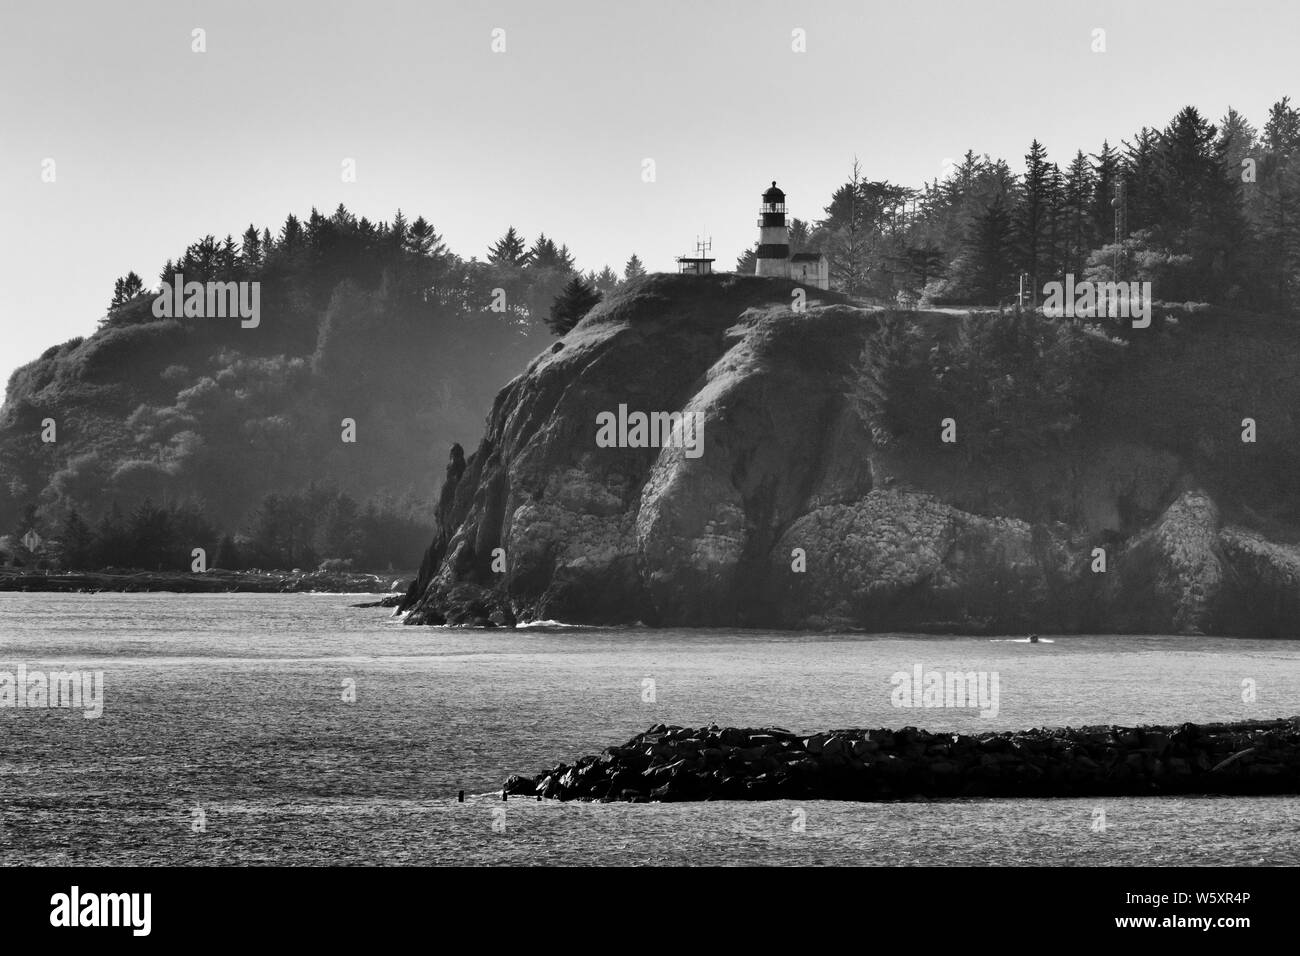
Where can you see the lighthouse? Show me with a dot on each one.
(773, 236)
(773, 259)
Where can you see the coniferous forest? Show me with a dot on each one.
(1208, 212)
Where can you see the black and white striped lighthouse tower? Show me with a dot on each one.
(773, 237)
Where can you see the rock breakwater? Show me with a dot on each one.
(670, 763)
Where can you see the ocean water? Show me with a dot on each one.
(226, 739)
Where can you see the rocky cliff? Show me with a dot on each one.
(792, 516)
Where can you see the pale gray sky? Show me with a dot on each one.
(156, 145)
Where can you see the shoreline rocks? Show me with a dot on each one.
(215, 581)
(670, 764)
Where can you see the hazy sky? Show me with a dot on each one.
(156, 145)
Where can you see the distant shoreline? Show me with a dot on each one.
(208, 582)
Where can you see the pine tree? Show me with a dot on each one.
(152, 537)
(1054, 252)
(337, 534)
(799, 235)
(508, 250)
(1141, 185)
(1282, 131)
(112, 543)
(544, 254)
(291, 235)
(991, 247)
(227, 256)
(1186, 175)
(1280, 188)
(1237, 141)
(545, 275)
(919, 262)
(1034, 216)
(961, 182)
(76, 543)
(880, 389)
(1200, 211)
(282, 528)
(343, 220)
(634, 269)
(846, 222)
(319, 235)
(250, 252)
(747, 261)
(1079, 230)
(125, 289)
(397, 232)
(227, 556)
(203, 260)
(1107, 168)
(607, 281)
(423, 241)
(575, 300)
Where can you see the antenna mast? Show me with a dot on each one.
(1120, 202)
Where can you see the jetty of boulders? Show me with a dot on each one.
(670, 763)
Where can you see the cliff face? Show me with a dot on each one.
(792, 517)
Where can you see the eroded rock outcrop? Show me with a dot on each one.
(791, 517)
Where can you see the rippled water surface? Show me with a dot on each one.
(229, 710)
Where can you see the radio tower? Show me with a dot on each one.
(1120, 204)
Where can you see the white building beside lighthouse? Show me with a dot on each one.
(774, 258)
